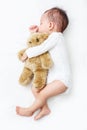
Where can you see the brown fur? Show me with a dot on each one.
(35, 68)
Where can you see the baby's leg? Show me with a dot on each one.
(52, 89)
(28, 111)
(44, 110)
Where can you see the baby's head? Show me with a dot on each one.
(54, 19)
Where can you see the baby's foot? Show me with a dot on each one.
(42, 113)
(23, 111)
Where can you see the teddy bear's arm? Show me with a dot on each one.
(46, 60)
(20, 53)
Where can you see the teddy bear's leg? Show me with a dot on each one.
(26, 76)
(40, 77)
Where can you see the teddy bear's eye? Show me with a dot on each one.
(30, 42)
(37, 40)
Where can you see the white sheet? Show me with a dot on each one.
(69, 112)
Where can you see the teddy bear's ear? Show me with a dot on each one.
(45, 36)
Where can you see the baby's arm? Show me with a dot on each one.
(48, 44)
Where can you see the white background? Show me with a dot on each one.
(68, 112)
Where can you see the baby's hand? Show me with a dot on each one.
(24, 57)
(33, 28)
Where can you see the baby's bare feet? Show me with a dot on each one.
(44, 111)
(23, 111)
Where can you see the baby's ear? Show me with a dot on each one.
(51, 25)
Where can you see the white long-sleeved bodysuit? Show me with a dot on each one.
(55, 44)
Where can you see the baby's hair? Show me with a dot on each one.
(58, 16)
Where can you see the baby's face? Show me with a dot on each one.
(44, 24)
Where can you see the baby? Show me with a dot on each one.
(53, 21)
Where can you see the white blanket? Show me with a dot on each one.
(68, 112)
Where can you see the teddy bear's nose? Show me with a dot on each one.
(37, 40)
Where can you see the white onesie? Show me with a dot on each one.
(55, 44)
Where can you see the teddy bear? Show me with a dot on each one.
(35, 68)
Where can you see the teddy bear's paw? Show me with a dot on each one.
(19, 56)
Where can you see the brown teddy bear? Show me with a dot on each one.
(35, 68)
